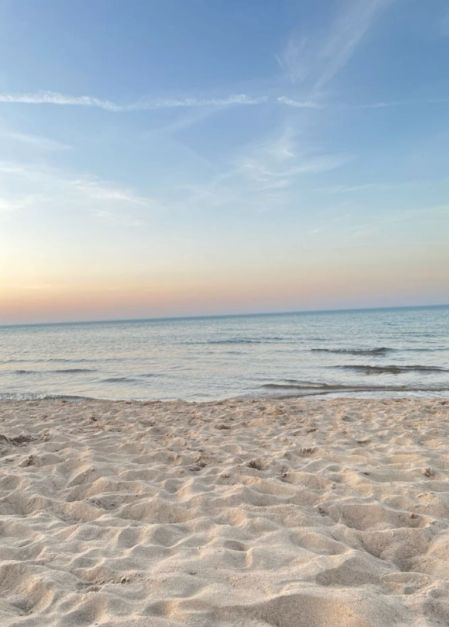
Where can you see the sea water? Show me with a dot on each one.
(388, 352)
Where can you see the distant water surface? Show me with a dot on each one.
(385, 352)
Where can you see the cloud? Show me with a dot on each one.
(144, 104)
(382, 186)
(151, 104)
(95, 189)
(262, 176)
(171, 103)
(299, 104)
(55, 98)
(11, 168)
(277, 163)
(381, 104)
(347, 33)
(444, 25)
(34, 141)
(398, 103)
(320, 59)
(11, 205)
(44, 189)
(292, 58)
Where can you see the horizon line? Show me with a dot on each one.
(224, 315)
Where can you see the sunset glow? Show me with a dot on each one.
(215, 158)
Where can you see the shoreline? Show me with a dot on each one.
(286, 511)
(325, 392)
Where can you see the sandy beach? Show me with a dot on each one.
(275, 512)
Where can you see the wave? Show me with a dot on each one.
(240, 340)
(133, 379)
(73, 370)
(392, 369)
(310, 388)
(382, 350)
(42, 396)
(58, 371)
(425, 350)
(60, 360)
(236, 341)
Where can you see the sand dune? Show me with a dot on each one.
(281, 512)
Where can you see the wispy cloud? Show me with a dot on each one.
(292, 59)
(144, 104)
(34, 141)
(39, 188)
(380, 104)
(152, 104)
(347, 33)
(279, 162)
(55, 98)
(300, 104)
(95, 189)
(375, 186)
(263, 176)
(385, 104)
(320, 59)
(175, 103)
(11, 205)
(444, 25)
(190, 103)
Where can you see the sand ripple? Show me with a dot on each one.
(284, 512)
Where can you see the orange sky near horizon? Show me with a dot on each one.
(214, 292)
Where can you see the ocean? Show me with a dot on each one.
(384, 352)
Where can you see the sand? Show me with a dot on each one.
(278, 512)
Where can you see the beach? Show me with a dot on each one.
(285, 512)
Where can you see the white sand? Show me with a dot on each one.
(288, 513)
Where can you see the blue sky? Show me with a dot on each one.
(170, 157)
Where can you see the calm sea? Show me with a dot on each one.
(385, 352)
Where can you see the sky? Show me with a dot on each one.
(183, 157)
